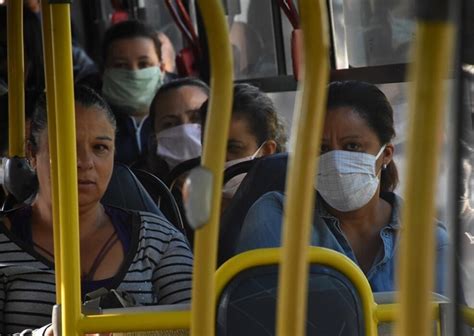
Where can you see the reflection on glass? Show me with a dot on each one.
(466, 197)
(252, 39)
(368, 33)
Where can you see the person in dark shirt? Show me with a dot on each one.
(132, 75)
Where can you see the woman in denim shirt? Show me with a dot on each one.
(358, 213)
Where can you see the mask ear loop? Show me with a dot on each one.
(384, 166)
(258, 150)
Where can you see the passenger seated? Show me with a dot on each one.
(255, 131)
(176, 125)
(135, 252)
(357, 212)
(132, 75)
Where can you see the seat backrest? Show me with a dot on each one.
(267, 174)
(161, 196)
(247, 297)
(126, 191)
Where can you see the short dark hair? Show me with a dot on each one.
(258, 110)
(83, 95)
(127, 30)
(174, 85)
(370, 103)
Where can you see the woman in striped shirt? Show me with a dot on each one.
(136, 252)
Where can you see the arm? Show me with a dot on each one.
(172, 276)
(263, 223)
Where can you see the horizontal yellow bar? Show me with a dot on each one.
(146, 321)
(388, 312)
(468, 315)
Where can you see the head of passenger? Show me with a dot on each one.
(255, 130)
(356, 163)
(95, 137)
(132, 67)
(176, 121)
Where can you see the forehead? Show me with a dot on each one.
(240, 128)
(93, 119)
(180, 100)
(131, 47)
(345, 121)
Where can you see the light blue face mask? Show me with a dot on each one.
(131, 90)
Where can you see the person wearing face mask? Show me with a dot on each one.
(255, 130)
(132, 75)
(357, 212)
(176, 125)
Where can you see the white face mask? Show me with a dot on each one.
(229, 189)
(178, 144)
(347, 180)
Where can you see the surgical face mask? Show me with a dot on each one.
(178, 144)
(347, 180)
(231, 186)
(131, 90)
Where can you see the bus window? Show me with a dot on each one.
(252, 37)
(368, 33)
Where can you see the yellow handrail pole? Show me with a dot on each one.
(299, 206)
(67, 170)
(51, 107)
(16, 79)
(213, 156)
(433, 49)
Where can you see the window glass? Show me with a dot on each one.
(252, 38)
(368, 33)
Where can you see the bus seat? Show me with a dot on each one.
(246, 301)
(267, 174)
(126, 191)
(161, 196)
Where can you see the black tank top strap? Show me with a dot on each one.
(113, 239)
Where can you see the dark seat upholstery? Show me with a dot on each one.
(126, 191)
(247, 305)
(267, 174)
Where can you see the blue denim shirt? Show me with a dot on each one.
(263, 227)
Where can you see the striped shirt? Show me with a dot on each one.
(156, 270)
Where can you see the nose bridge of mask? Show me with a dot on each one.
(131, 88)
(178, 144)
(347, 162)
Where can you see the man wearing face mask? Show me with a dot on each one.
(132, 75)
(357, 213)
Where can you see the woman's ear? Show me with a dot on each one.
(269, 148)
(388, 154)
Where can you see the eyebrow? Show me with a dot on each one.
(104, 137)
(347, 137)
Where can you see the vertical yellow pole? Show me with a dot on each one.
(67, 169)
(16, 78)
(433, 50)
(213, 157)
(48, 47)
(308, 124)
